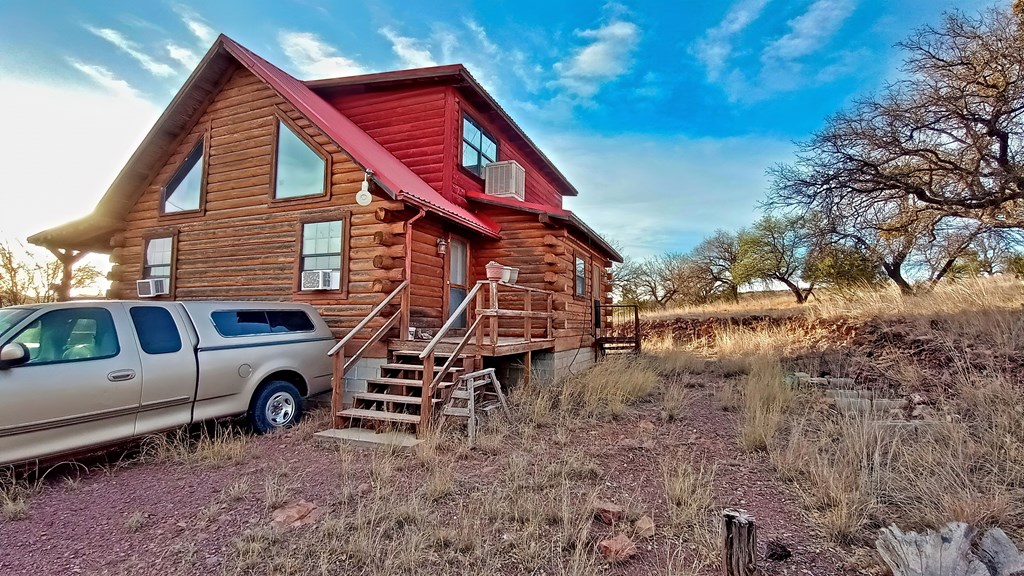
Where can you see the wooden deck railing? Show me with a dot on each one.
(341, 366)
(482, 315)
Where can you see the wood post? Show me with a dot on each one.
(480, 330)
(739, 543)
(551, 304)
(528, 319)
(636, 331)
(426, 394)
(338, 388)
(494, 318)
(68, 258)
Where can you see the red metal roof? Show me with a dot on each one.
(390, 172)
(554, 212)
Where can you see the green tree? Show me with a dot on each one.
(775, 249)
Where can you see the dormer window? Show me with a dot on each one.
(183, 191)
(300, 170)
(478, 147)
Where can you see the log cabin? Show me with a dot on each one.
(380, 199)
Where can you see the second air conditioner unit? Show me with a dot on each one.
(152, 287)
(506, 179)
(318, 280)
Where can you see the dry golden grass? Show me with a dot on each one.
(766, 303)
(603, 391)
(219, 446)
(765, 400)
(688, 491)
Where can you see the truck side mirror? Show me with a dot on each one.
(13, 354)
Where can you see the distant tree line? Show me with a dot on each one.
(920, 183)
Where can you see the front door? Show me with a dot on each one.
(458, 278)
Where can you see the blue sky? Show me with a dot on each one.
(664, 115)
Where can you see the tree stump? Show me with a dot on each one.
(949, 552)
(739, 543)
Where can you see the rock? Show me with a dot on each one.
(776, 551)
(617, 549)
(917, 398)
(647, 425)
(644, 527)
(920, 412)
(607, 512)
(364, 489)
(294, 514)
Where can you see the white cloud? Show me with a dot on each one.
(607, 56)
(674, 191)
(199, 28)
(152, 65)
(715, 48)
(102, 126)
(315, 58)
(410, 52)
(182, 55)
(781, 66)
(809, 31)
(106, 79)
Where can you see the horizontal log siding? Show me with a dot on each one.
(245, 247)
(408, 123)
(544, 256)
(539, 188)
(428, 275)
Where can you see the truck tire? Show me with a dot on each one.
(278, 404)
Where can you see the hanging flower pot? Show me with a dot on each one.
(494, 270)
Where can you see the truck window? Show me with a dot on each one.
(256, 322)
(69, 335)
(156, 329)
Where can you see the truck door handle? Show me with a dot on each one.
(121, 375)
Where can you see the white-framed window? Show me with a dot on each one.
(183, 192)
(581, 276)
(299, 171)
(322, 248)
(159, 253)
(478, 147)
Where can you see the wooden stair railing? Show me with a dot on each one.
(430, 381)
(340, 366)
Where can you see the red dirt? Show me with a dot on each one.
(83, 529)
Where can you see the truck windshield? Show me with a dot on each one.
(9, 317)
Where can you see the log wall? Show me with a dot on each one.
(545, 258)
(244, 245)
(409, 123)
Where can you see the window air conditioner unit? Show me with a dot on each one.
(152, 287)
(317, 280)
(506, 179)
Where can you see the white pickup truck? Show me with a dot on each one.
(78, 375)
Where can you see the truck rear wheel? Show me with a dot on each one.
(278, 404)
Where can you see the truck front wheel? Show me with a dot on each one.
(278, 404)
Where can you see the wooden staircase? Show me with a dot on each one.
(394, 400)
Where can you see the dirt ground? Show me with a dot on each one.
(162, 517)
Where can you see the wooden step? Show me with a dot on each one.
(395, 381)
(460, 395)
(417, 367)
(459, 412)
(396, 398)
(437, 354)
(360, 414)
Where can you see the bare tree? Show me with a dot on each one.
(947, 139)
(716, 258)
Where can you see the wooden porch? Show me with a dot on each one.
(419, 375)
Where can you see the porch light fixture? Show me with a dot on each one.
(442, 246)
(363, 197)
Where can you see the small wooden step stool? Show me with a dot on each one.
(478, 390)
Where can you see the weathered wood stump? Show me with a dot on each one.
(949, 552)
(739, 543)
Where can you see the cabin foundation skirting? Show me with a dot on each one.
(355, 379)
(549, 365)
